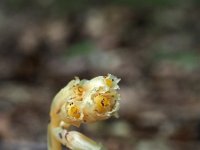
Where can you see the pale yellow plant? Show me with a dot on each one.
(81, 101)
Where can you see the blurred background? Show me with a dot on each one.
(152, 45)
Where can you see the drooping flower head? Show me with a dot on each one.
(90, 100)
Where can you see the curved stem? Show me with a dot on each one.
(75, 140)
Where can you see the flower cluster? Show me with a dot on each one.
(90, 100)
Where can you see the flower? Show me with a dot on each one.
(90, 100)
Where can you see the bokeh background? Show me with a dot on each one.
(152, 45)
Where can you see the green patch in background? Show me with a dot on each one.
(81, 48)
(186, 59)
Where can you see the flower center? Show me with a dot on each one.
(108, 82)
(78, 90)
(74, 111)
(102, 103)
